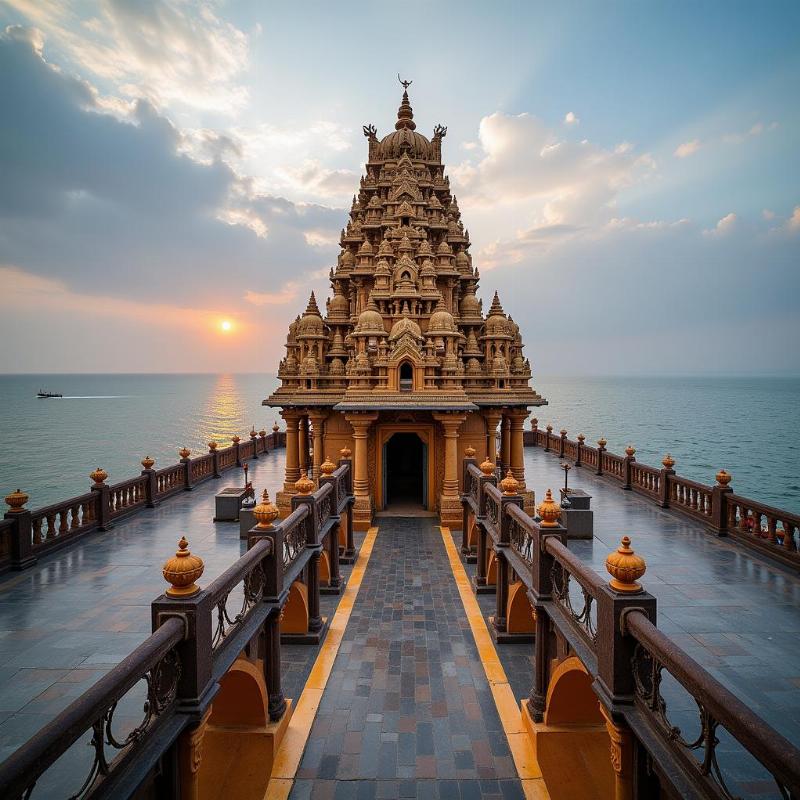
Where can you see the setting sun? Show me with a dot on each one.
(226, 325)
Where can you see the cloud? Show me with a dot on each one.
(311, 178)
(724, 227)
(768, 214)
(687, 149)
(793, 223)
(750, 133)
(571, 119)
(169, 51)
(94, 200)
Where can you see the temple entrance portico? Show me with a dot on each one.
(405, 478)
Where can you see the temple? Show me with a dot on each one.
(404, 368)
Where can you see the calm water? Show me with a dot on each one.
(749, 426)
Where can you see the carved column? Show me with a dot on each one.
(516, 418)
(317, 420)
(621, 756)
(505, 443)
(284, 498)
(362, 507)
(190, 756)
(449, 502)
(302, 444)
(492, 418)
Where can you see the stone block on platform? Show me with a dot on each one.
(578, 518)
(227, 504)
(247, 521)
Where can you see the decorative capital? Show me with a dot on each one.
(469, 452)
(548, 511)
(668, 461)
(630, 451)
(625, 568)
(724, 478)
(16, 501)
(509, 484)
(601, 443)
(304, 485)
(212, 446)
(184, 452)
(345, 452)
(98, 476)
(487, 467)
(148, 462)
(327, 466)
(265, 512)
(182, 570)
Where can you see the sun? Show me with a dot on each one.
(226, 326)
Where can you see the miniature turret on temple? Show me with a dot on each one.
(404, 369)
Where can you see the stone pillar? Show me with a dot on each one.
(302, 444)
(621, 756)
(362, 507)
(450, 502)
(284, 498)
(516, 423)
(505, 443)
(317, 420)
(492, 418)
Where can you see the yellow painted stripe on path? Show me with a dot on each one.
(290, 752)
(519, 743)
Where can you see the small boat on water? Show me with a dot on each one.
(49, 394)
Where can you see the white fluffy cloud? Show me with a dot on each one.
(687, 148)
(570, 118)
(724, 227)
(169, 51)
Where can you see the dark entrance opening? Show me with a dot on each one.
(405, 471)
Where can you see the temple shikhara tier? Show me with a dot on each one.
(404, 368)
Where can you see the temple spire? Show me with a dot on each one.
(496, 309)
(312, 307)
(405, 114)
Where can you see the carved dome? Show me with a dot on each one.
(405, 325)
(370, 320)
(441, 321)
(405, 139)
(496, 322)
(339, 306)
(310, 323)
(470, 306)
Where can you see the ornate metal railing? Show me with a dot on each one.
(29, 534)
(174, 674)
(757, 525)
(155, 665)
(611, 628)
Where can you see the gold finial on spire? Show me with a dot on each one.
(405, 114)
(404, 84)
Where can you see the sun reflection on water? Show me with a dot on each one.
(224, 413)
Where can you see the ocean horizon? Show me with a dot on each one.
(745, 424)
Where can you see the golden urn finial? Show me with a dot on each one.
(275, 427)
(236, 439)
(487, 467)
(98, 476)
(16, 501)
(549, 429)
(724, 478)
(601, 443)
(304, 484)
(253, 433)
(345, 452)
(625, 568)
(563, 431)
(581, 438)
(327, 466)
(509, 484)
(182, 570)
(148, 462)
(469, 451)
(534, 422)
(668, 461)
(184, 452)
(265, 512)
(548, 511)
(262, 433)
(212, 446)
(630, 451)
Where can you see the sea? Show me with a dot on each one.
(749, 426)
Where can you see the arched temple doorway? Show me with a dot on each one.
(405, 472)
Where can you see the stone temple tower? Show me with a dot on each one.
(402, 367)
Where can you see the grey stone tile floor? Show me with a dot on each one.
(407, 711)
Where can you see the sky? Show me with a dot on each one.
(628, 172)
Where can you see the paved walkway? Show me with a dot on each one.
(735, 612)
(407, 711)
